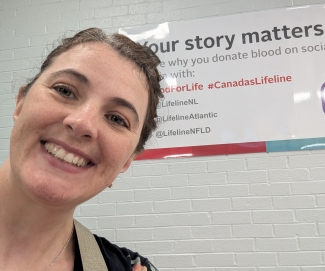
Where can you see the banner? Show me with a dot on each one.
(239, 80)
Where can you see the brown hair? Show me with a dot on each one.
(145, 59)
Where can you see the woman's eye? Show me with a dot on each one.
(64, 91)
(117, 120)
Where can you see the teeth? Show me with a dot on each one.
(61, 154)
(49, 146)
(80, 162)
(69, 158)
(75, 160)
(54, 150)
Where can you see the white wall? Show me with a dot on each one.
(262, 212)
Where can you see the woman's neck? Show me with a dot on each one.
(31, 234)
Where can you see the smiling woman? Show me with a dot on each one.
(78, 123)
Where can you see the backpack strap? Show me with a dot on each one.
(91, 256)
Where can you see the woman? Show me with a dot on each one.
(78, 124)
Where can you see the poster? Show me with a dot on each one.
(240, 80)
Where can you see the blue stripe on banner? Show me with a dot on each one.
(295, 144)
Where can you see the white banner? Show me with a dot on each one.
(241, 78)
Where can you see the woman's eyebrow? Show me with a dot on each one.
(71, 72)
(125, 103)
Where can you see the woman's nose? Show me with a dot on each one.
(82, 122)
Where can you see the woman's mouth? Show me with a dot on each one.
(65, 156)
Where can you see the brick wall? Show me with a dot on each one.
(252, 212)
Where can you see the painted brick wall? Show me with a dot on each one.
(253, 212)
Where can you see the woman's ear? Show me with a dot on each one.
(19, 102)
(128, 162)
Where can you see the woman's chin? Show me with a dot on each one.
(48, 190)
(47, 193)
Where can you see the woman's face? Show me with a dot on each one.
(78, 126)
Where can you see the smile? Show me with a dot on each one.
(68, 157)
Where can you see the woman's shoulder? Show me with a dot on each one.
(121, 258)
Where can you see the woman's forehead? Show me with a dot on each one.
(102, 56)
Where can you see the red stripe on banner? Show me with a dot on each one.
(251, 147)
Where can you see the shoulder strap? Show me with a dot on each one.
(91, 256)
